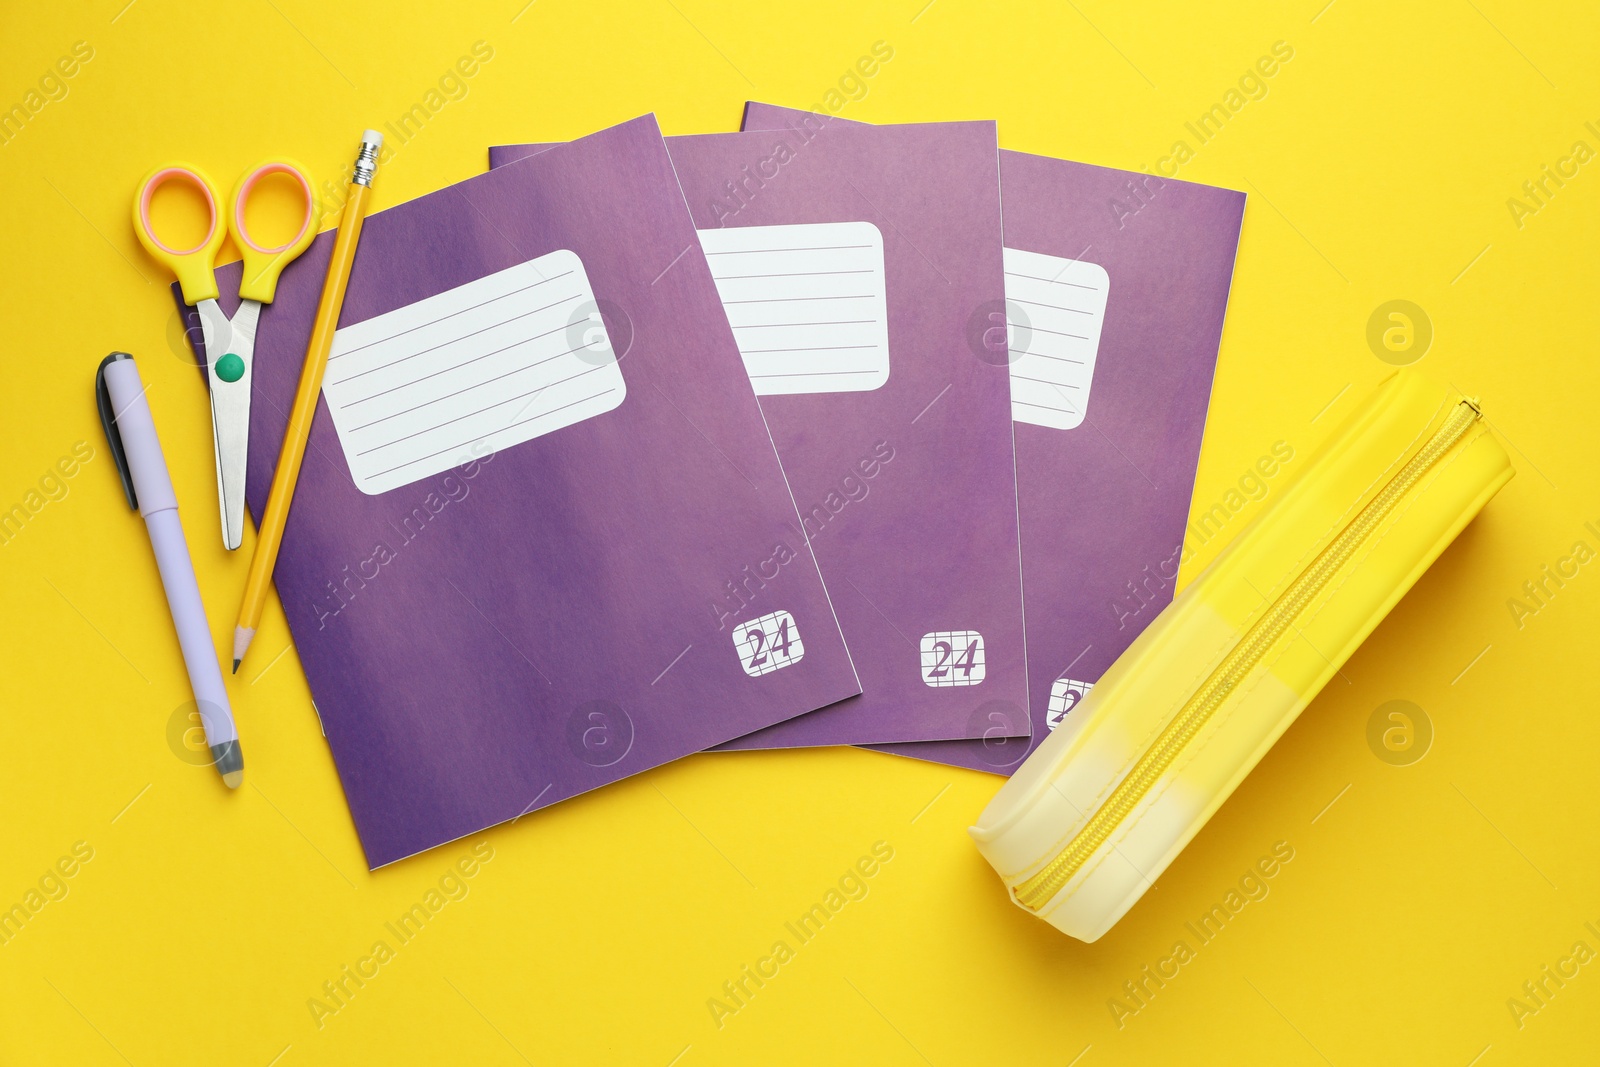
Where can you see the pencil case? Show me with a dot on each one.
(1096, 814)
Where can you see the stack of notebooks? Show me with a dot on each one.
(817, 433)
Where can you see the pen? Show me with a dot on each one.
(270, 533)
(136, 449)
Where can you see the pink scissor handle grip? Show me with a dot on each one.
(263, 264)
(248, 184)
(191, 266)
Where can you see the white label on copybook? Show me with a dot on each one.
(807, 303)
(1054, 310)
(470, 371)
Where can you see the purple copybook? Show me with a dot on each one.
(536, 465)
(853, 262)
(1116, 283)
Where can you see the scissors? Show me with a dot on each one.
(230, 343)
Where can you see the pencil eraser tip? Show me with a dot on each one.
(373, 138)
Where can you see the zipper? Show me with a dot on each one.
(1037, 890)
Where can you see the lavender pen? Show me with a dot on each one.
(131, 433)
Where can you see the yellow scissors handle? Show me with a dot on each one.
(262, 264)
(192, 266)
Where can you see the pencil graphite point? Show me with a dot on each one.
(242, 636)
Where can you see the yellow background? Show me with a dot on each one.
(1378, 167)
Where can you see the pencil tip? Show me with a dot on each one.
(241, 643)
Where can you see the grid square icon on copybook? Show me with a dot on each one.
(952, 657)
(769, 643)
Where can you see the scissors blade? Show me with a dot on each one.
(230, 351)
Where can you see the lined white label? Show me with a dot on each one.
(807, 304)
(768, 643)
(1054, 310)
(468, 372)
(952, 657)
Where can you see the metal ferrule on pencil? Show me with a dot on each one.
(367, 161)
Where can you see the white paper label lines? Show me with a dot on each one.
(1055, 309)
(808, 304)
(470, 371)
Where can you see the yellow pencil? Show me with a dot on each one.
(305, 400)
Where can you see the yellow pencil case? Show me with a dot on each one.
(1094, 816)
